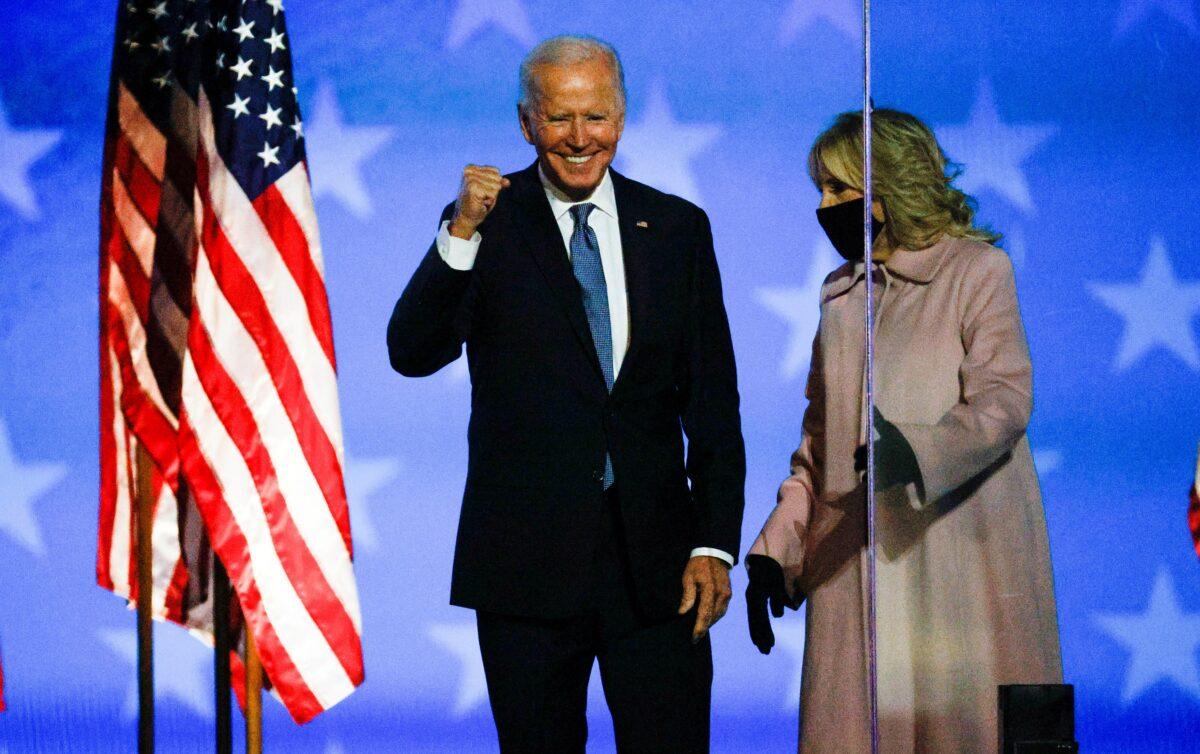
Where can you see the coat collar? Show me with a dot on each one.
(916, 265)
(604, 197)
(921, 265)
(638, 230)
(537, 223)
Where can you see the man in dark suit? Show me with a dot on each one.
(591, 309)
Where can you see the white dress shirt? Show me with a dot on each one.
(460, 254)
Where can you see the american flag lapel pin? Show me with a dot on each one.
(643, 224)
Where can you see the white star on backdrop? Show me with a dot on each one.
(20, 485)
(182, 667)
(1047, 460)
(1133, 12)
(843, 15)
(1014, 244)
(1158, 310)
(659, 150)
(461, 641)
(365, 477)
(800, 308)
(472, 15)
(1162, 641)
(993, 151)
(789, 636)
(18, 151)
(337, 151)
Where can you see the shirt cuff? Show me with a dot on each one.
(456, 252)
(713, 552)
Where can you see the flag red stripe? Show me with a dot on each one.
(1193, 517)
(229, 543)
(108, 452)
(247, 301)
(131, 470)
(309, 581)
(136, 282)
(140, 183)
(289, 239)
(148, 423)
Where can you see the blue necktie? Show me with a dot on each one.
(585, 259)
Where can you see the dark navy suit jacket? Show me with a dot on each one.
(542, 419)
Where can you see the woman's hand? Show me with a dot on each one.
(895, 462)
(766, 587)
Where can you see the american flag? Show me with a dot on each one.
(216, 345)
(1194, 508)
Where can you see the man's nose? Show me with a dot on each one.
(577, 137)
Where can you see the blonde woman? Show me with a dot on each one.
(965, 597)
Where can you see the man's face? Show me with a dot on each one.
(574, 123)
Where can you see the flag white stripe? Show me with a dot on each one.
(297, 194)
(249, 237)
(134, 227)
(299, 636)
(118, 554)
(135, 335)
(149, 144)
(305, 501)
(166, 552)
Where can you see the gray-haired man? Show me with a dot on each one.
(591, 309)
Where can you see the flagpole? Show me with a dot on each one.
(145, 607)
(253, 696)
(868, 238)
(222, 645)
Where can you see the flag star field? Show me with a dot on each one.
(1075, 126)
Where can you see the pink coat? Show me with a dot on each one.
(966, 597)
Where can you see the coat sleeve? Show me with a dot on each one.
(997, 386)
(427, 327)
(784, 535)
(716, 453)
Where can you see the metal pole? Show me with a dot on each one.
(254, 675)
(145, 594)
(872, 647)
(222, 646)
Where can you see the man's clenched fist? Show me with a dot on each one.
(481, 185)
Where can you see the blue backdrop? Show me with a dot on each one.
(1075, 120)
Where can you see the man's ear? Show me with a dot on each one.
(526, 127)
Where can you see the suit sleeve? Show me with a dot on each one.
(716, 454)
(784, 535)
(428, 324)
(997, 387)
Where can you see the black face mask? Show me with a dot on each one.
(843, 223)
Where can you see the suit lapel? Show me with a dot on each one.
(545, 243)
(635, 248)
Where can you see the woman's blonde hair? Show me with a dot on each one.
(912, 177)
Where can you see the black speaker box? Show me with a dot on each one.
(1037, 719)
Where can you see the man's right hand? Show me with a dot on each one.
(766, 587)
(477, 196)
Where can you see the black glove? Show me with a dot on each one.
(895, 461)
(766, 586)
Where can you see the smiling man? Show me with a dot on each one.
(591, 310)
